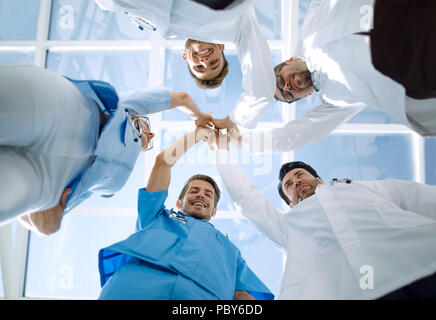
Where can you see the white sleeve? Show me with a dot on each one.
(258, 80)
(107, 5)
(250, 201)
(411, 196)
(309, 128)
(146, 101)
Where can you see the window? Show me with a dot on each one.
(77, 39)
(18, 19)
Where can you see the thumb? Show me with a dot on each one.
(64, 196)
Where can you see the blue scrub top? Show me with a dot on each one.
(194, 249)
(116, 151)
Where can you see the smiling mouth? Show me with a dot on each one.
(203, 53)
(198, 204)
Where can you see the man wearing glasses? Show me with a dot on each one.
(333, 58)
(63, 140)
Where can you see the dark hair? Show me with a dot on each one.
(279, 66)
(215, 82)
(203, 177)
(288, 167)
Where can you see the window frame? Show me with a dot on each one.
(14, 242)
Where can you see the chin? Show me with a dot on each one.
(199, 214)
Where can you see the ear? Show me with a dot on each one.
(178, 204)
(213, 213)
(221, 46)
(184, 55)
(320, 180)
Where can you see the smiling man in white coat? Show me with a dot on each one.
(206, 30)
(346, 239)
(333, 57)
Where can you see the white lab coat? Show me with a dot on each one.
(348, 241)
(347, 80)
(236, 23)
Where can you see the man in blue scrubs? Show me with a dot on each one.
(177, 254)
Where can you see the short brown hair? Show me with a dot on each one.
(276, 69)
(215, 82)
(203, 177)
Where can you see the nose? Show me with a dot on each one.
(297, 182)
(201, 195)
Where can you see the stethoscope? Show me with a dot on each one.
(177, 216)
(141, 23)
(345, 180)
(332, 182)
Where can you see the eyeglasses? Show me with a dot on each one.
(137, 127)
(280, 84)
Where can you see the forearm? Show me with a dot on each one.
(250, 200)
(309, 128)
(184, 102)
(161, 173)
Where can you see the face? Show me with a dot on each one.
(205, 59)
(146, 134)
(298, 184)
(296, 78)
(198, 201)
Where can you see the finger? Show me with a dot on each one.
(64, 196)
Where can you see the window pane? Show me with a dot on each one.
(360, 156)
(367, 115)
(430, 162)
(84, 20)
(269, 15)
(66, 263)
(17, 57)
(219, 101)
(125, 70)
(303, 6)
(18, 19)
